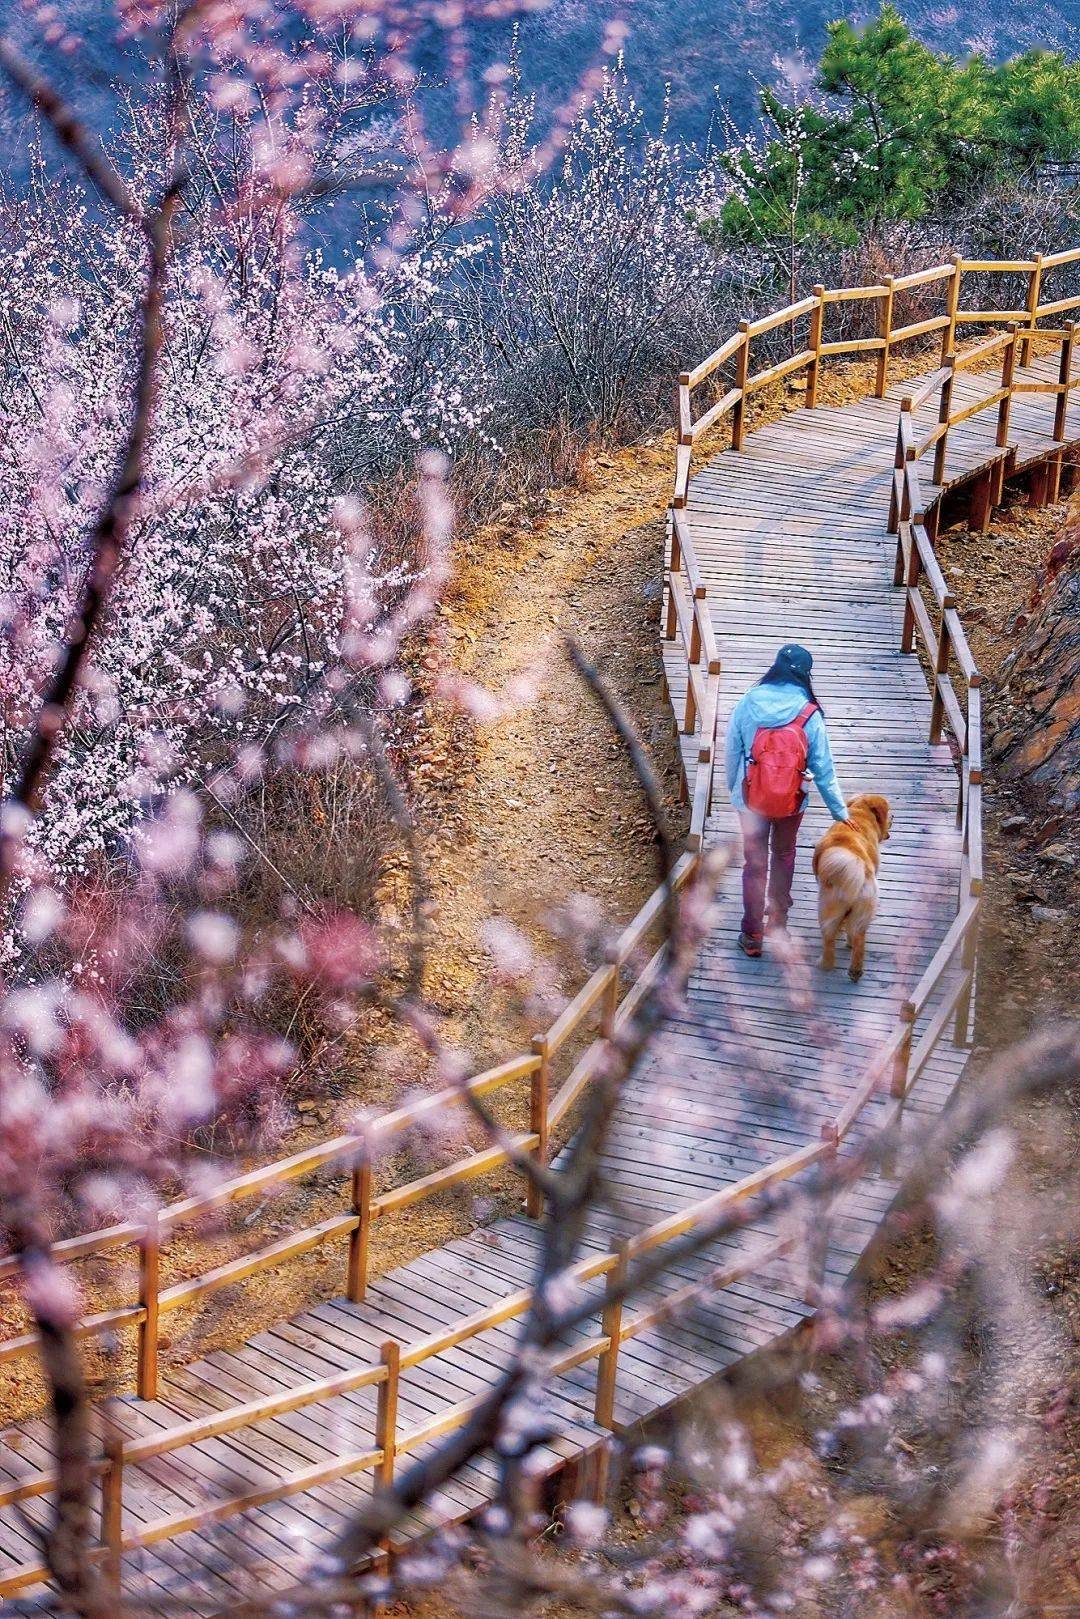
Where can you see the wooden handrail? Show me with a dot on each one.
(729, 347)
(137, 1452)
(838, 295)
(973, 357)
(344, 1153)
(687, 623)
(1003, 266)
(921, 278)
(990, 317)
(916, 1002)
(781, 317)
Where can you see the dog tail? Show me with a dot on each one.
(842, 871)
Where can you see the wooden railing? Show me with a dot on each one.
(889, 305)
(688, 625)
(606, 998)
(941, 998)
(616, 1326)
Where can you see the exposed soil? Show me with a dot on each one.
(1029, 957)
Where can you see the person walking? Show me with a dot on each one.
(776, 735)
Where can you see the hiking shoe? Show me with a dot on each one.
(749, 945)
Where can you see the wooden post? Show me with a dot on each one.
(149, 1273)
(360, 1236)
(818, 1236)
(944, 409)
(1034, 292)
(1064, 375)
(914, 566)
(952, 304)
(895, 512)
(599, 1472)
(941, 667)
(742, 371)
(1040, 484)
(898, 1082)
(112, 1508)
(685, 423)
(997, 492)
(885, 315)
(611, 1327)
(817, 324)
(538, 1120)
(900, 506)
(961, 1033)
(386, 1436)
(982, 500)
(690, 713)
(1008, 370)
(705, 757)
(694, 649)
(386, 1412)
(671, 623)
(610, 1004)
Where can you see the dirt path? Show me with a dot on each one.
(542, 805)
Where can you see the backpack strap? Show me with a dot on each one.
(802, 720)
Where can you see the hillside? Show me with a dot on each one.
(711, 54)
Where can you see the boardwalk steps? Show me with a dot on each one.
(785, 540)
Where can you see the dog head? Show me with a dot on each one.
(876, 808)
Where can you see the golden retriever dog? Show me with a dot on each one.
(846, 864)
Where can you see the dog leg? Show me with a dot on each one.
(858, 956)
(830, 927)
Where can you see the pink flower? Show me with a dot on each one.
(341, 953)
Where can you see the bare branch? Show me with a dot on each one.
(69, 130)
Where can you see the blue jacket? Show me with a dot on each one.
(770, 706)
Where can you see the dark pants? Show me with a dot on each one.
(763, 838)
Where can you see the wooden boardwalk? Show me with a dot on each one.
(790, 538)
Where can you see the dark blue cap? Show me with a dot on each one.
(796, 658)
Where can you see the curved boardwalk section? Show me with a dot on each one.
(785, 540)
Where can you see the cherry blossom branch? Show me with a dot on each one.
(67, 1541)
(67, 1544)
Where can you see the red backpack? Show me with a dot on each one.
(777, 766)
